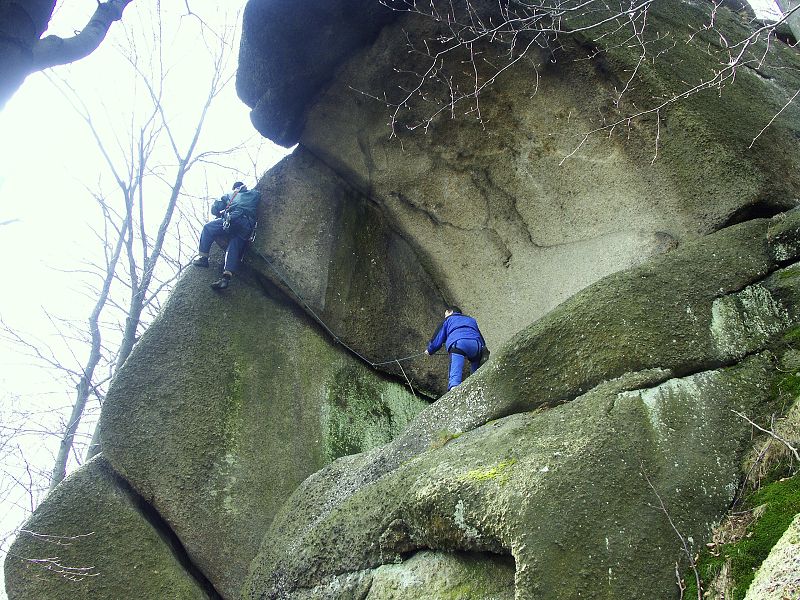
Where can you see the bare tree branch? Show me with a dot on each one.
(770, 432)
(684, 543)
(53, 50)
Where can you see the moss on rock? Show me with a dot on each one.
(501, 488)
(650, 397)
(89, 540)
(776, 505)
(228, 403)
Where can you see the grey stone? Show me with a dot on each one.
(346, 263)
(289, 50)
(650, 379)
(89, 540)
(507, 227)
(612, 455)
(445, 575)
(228, 402)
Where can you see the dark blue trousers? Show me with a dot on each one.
(472, 349)
(236, 237)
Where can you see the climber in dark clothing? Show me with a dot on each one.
(463, 340)
(233, 227)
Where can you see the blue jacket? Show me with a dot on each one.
(455, 327)
(244, 203)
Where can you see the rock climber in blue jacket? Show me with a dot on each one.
(461, 337)
(236, 219)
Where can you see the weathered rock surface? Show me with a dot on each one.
(779, 576)
(345, 260)
(90, 539)
(543, 475)
(283, 67)
(492, 202)
(227, 404)
(653, 379)
(445, 575)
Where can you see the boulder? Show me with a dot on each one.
(639, 453)
(515, 212)
(289, 50)
(228, 403)
(93, 538)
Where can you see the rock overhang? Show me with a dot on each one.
(290, 50)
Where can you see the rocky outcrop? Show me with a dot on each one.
(290, 51)
(227, 404)
(93, 538)
(495, 201)
(645, 453)
(347, 264)
(631, 305)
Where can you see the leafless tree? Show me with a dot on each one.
(53, 50)
(146, 231)
(144, 250)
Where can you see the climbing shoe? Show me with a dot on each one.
(221, 283)
(200, 261)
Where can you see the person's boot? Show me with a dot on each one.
(201, 261)
(222, 283)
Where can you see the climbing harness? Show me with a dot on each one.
(226, 215)
(317, 318)
(253, 233)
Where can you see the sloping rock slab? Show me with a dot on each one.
(778, 577)
(664, 359)
(572, 494)
(89, 540)
(228, 402)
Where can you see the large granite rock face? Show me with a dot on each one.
(91, 539)
(227, 404)
(643, 388)
(542, 475)
(492, 202)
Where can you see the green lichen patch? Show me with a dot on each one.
(792, 335)
(499, 472)
(790, 384)
(362, 411)
(789, 274)
(778, 503)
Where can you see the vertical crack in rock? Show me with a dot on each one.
(171, 539)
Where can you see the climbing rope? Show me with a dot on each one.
(322, 323)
